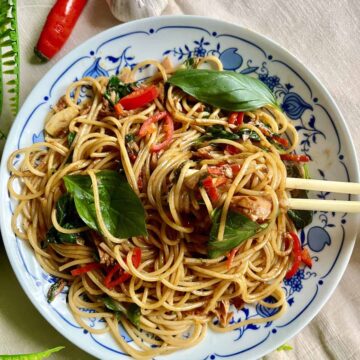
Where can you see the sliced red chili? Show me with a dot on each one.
(232, 150)
(169, 133)
(295, 157)
(236, 118)
(139, 98)
(306, 258)
(211, 189)
(230, 257)
(146, 126)
(215, 170)
(235, 169)
(86, 268)
(296, 255)
(116, 276)
(118, 109)
(280, 140)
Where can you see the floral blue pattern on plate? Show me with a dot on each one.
(323, 137)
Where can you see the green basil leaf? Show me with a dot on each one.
(133, 314)
(300, 218)
(121, 209)
(190, 63)
(113, 305)
(238, 228)
(284, 347)
(116, 89)
(129, 138)
(33, 356)
(248, 134)
(68, 218)
(224, 89)
(71, 138)
(54, 290)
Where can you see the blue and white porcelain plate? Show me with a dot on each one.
(323, 136)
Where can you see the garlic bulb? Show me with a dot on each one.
(126, 10)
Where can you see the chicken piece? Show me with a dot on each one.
(192, 181)
(167, 64)
(222, 312)
(60, 105)
(104, 257)
(59, 122)
(255, 207)
(204, 152)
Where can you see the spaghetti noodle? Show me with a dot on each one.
(183, 173)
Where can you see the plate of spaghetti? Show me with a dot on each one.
(145, 199)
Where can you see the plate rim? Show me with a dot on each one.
(177, 18)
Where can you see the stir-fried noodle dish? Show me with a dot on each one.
(160, 204)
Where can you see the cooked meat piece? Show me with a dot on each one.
(192, 181)
(167, 64)
(238, 302)
(255, 207)
(204, 152)
(60, 105)
(222, 312)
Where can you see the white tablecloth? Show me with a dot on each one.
(325, 36)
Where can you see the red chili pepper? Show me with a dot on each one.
(281, 141)
(85, 269)
(220, 181)
(58, 27)
(294, 157)
(118, 109)
(236, 118)
(232, 150)
(230, 257)
(240, 118)
(215, 170)
(235, 168)
(169, 133)
(296, 254)
(306, 258)
(139, 98)
(210, 189)
(145, 127)
(109, 280)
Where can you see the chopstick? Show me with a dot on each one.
(323, 185)
(323, 205)
(319, 185)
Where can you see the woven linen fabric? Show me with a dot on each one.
(325, 36)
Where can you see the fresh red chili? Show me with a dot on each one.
(111, 280)
(86, 268)
(296, 255)
(139, 98)
(210, 188)
(235, 169)
(232, 150)
(118, 109)
(58, 27)
(169, 133)
(236, 118)
(215, 170)
(230, 257)
(146, 126)
(281, 141)
(294, 157)
(306, 258)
